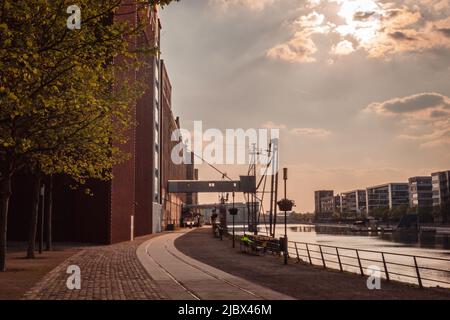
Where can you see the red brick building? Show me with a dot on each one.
(135, 202)
(172, 204)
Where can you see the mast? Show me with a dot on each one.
(276, 166)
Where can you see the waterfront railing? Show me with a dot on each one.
(420, 270)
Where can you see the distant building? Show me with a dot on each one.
(354, 203)
(388, 196)
(324, 203)
(242, 218)
(441, 188)
(420, 192)
(337, 204)
(172, 203)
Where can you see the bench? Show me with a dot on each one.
(260, 245)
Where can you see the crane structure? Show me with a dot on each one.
(253, 186)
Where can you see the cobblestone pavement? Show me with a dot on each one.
(107, 273)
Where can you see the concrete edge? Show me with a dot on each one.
(166, 283)
(265, 292)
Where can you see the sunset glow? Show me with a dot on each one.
(312, 69)
(362, 19)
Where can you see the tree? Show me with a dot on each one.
(58, 112)
(437, 215)
(445, 212)
(381, 213)
(397, 213)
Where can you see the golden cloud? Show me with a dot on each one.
(255, 5)
(424, 117)
(379, 29)
(311, 132)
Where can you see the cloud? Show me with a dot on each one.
(273, 125)
(378, 28)
(311, 132)
(445, 31)
(313, 3)
(362, 15)
(343, 48)
(423, 117)
(412, 104)
(399, 35)
(301, 47)
(407, 30)
(254, 5)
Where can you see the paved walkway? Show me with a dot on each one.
(296, 280)
(147, 269)
(183, 278)
(107, 273)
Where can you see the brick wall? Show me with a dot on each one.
(145, 137)
(106, 216)
(172, 203)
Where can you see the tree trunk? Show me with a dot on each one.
(48, 214)
(5, 193)
(34, 217)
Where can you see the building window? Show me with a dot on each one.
(156, 162)
(156, 115)
(157, 70)
(156, 93)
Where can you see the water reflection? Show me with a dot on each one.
(426, 244)
(342, 236)
(397, 243)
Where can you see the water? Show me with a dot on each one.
(395, 242)
(428, 245)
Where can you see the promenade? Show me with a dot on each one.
(107, 273)
(150, 268)
(297, 280)
(182, 278)
(192, 265)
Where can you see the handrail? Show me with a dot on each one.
(313, 253)
(419, 271)
(372, 251)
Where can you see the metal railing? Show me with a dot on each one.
(420, 270)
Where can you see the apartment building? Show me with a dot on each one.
(324, 203)
(388, 195)
(337, 204)
(354, 203)
(420, 192)
(441, 188)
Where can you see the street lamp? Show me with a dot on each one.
(285, 205)
(233, 212)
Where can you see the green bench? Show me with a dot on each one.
(260, 245)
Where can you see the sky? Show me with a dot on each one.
(358, 88)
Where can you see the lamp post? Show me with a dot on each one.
(233, 212)
(285, 205)
(285, 176)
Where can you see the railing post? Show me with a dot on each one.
(296, 250)
(309, 255)
(419, 279)
(321, 254)
(359, 263)
(385, 267)
(339, 259)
